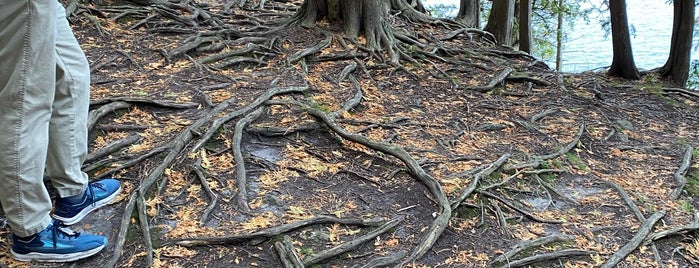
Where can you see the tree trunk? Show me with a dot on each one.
(623, 64)
(525, 26)
(501, 20)
(469, 13)
(559, 37)
(677, 65)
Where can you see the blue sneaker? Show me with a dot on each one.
(56, 244)
(97, 195)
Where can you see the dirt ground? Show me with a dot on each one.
(582, 154)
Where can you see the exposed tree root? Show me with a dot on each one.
(271, 232)
(636, 241)
(350, 245)
(287, 254)
(477, 177)
(556, 255)
(175, 148)
(538, 160)
(441, 221)
(679, 174)
(529, 244)
(111, 148)
(692, 227)
(241, 178)
(499, 78)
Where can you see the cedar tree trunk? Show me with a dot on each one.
(677, 64)
(525, 26)
(623, 64)
(501, 20)
(469, 13)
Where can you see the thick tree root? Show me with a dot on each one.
(679, 174)
(271, 232)
(636, 241)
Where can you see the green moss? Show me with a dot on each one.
(575, 160)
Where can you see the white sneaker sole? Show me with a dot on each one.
(54, 257)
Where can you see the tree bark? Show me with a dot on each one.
(525, 26)
(623, 64)
(501, 20)
(677, 65)
(469, 13)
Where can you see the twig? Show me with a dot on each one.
(635, 241)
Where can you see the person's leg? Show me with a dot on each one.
(27, 69)
(68, 125)
(68, 133)
(27, 86)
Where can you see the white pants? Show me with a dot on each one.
(44, 99)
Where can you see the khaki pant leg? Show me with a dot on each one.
(68, 127)
(27, 85)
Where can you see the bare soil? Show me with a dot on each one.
(566, 141)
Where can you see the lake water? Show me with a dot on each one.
(587, 47)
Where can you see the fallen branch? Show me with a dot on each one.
(679, 174)
(635, 241)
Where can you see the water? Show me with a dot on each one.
(588, 47)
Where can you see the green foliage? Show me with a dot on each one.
(692, 186)
(443, 10)
(575, 160)
(693, 81)
(686, 206)
(306, 251)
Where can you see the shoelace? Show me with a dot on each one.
(92, 193)
(59, 229)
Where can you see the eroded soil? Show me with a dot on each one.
(634, 135)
